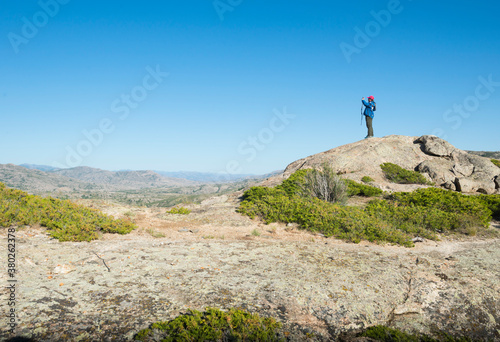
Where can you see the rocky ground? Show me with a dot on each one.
(107, 290)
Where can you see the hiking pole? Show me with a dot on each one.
(361, 114)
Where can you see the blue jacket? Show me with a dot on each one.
(368, 108)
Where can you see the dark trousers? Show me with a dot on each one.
(369, 122)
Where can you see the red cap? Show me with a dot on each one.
(371, 97)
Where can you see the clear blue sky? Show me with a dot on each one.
(232, 65)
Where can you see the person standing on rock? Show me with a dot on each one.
(370, 107)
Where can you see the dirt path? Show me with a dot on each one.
(109, 289)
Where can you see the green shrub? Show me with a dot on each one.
(496, 162)
(397, 219)
(129, 214)
(255, 232)
(449, 201)
(295, 183)
(492, 202)
(213, 325)
(358, 189)
(254, 200)
(397, 174)
(366, 179)
(417, 221)
(155, 234)
(65, 220)
(179, 211)
(385, 334)
(331, 219)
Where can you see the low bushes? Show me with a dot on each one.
(496, 162)
(477, 207)
(179, 211)
(349, 223)
(492, 202)
(396, 219)
(397, 174)
(384, 334)
(65, 220)
(366, 179)
(214, 325)
(357, 189)
(295, 183)
(419, 221)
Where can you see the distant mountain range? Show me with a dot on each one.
(31, 178)
(487, 154)
(46, 179)
(129, 179)
(208, 177)
(44, 168)
(88, 174)
(36, 181)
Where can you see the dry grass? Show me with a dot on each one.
(218, 220)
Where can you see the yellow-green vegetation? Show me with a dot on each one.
(397, 174)
(293, 185)
(496, 162)
(385, 334)
(129, 214)
(480, 208)
(358, 189)
(65, 220)
(492, 202)
(366, 179)
(255, 232)
(213, 325)
(155, 233)
(396, 219)
(179, 211)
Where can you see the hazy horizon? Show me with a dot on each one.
(125, 170)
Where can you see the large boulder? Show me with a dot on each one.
(435, 146)
(462, 164)
(439, 170)
(474, 173)
(468, 185)
(437, 159)
(363, 158)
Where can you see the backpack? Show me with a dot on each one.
(374, 107)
